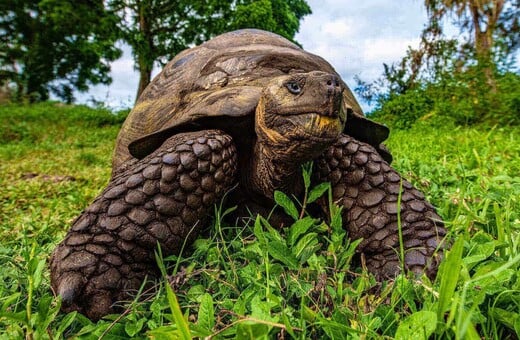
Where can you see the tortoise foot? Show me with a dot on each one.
(369, 190)
(164, 198)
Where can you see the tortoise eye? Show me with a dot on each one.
(293, 87)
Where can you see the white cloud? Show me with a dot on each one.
(357, 37)
(386, 49)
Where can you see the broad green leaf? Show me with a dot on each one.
(66, 322)
(206, 316)
(47, 312)
(482, 247)
(272, 233)
(286, 203)
(165, 333)
(260, 309)
(8, 301)
(199, 332)
(249, 330)
(298, 228)
(307, 313)
(347, 254)
(306, 246)
(337, 330)
(280, 252)
(336, 220)
(288, 326)
(517, 326)
(510, 319)
(492, 284)
(37, 265)
(132, 328)
(196, 293)
(419, 325)
(317, 192)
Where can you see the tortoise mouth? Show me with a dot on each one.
(325, 113)
(317, 126)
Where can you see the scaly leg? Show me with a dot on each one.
(110, 248)
(368, 188)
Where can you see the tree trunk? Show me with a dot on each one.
(144, 53)
(145, 74)
(484, 37)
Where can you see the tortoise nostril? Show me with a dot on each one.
(329, 82)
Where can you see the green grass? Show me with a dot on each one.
(258, 282)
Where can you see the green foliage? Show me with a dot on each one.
(470, 79)
(458, 98)
(158, 30)
(302, 281)
(55, 46)
(279, 16)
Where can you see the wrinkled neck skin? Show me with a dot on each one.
(270, 170)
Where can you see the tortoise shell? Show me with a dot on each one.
(217, 85)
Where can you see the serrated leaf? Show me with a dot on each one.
(318, 191)
(419, 325)
(272, 234)
(307, 244)
(286, 203)
(206, 316)
(280, 252)
(298, 228)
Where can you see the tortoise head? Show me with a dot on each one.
(300, 114)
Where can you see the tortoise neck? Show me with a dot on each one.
(269, 171)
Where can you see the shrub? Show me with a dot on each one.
(463, 98)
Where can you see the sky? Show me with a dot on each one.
(355, 36)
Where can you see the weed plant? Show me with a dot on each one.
(258, 282)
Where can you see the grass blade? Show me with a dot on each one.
(449, 274)
(180, 321)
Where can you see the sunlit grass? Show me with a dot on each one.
(256, 281)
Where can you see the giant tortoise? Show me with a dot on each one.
(237, 116)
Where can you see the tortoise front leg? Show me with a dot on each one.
(368, 190)
(110, 248)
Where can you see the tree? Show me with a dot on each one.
(493, 27)
(55, 46)
(466, 80)
(157, 30)
(279, 16)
